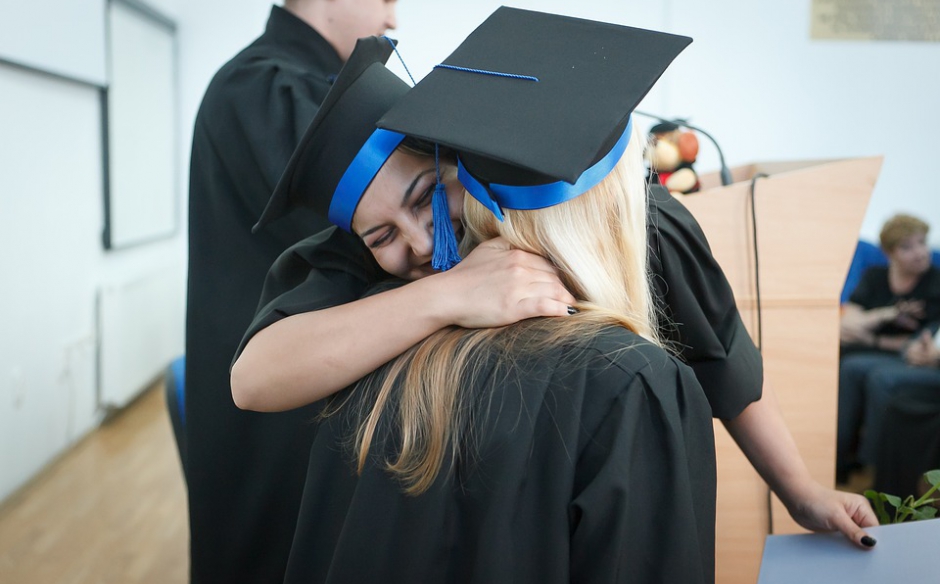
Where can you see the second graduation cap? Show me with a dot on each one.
(341, 150)
(536, 105)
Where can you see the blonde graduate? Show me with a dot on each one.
(598, 244)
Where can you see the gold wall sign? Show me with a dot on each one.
(876, 20)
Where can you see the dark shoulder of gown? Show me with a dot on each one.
(327, 269)
(593, 463)
(703, 322)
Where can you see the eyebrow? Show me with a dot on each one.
(404, 199)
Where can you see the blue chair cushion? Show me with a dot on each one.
(178, 372)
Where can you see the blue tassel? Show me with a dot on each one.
(445, 242)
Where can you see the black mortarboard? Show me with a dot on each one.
(341, 150)
(534, 100)
(664, 128)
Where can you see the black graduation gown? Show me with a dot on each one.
(244, 470)
(594, 464)
(704, 325)
(702, 319)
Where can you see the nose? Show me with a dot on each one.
(390, 21)
(421, 241)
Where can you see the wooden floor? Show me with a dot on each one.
(110, 511)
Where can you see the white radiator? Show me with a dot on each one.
(140, 331)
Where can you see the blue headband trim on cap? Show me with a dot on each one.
(367, 163)
(496, 196)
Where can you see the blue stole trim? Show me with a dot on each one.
(496, 196)
(359, 174)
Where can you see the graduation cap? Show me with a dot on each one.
(664, 128)
(537, 106)
(341, 151)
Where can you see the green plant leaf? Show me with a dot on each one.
(904, 511)
(933, 477)
(894, 500)
(923, 513)
(878, 504)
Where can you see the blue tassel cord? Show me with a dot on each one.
(446, 255)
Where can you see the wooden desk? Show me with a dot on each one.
(808, 216)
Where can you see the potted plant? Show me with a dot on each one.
(907, 509)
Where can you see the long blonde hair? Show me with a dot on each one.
(597, 241)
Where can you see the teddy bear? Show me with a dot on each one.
(672, 152)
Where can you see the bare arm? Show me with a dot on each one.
(858, 326)
(762, 435)
(306, 357)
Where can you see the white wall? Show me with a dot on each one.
(752, 77)
(767, 92)
(50, 254)
(66, 37)
(53, 267)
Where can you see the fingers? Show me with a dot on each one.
(545, 299)
(913, 308)
(850, 520)
(532, 307)
(552, 291)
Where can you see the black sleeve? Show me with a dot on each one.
(702, 322)
(265, 105)
(932, 296)
(324, 270)
(644, 494)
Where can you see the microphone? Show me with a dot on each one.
(724, 172)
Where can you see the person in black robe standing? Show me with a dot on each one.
(244, 471)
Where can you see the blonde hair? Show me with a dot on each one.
(898, 228)
(597, 241)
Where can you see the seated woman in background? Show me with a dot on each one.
(888, 310)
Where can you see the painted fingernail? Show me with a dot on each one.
(869, 541)
(572, 310)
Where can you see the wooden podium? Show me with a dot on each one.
(808, 216)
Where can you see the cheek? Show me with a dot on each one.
(372, 18)
(391, 259)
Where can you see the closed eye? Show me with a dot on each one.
(425, 199)
(386, 237)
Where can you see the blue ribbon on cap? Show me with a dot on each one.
(496, 196)
(360, 173)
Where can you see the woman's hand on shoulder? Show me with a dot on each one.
(496, 285)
